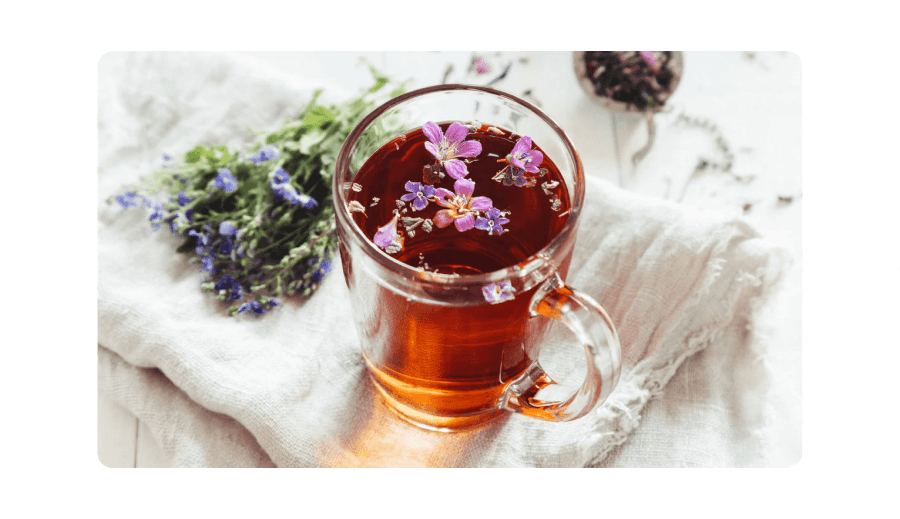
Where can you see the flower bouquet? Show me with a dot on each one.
(259, 221)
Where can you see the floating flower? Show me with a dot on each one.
(498, 293)
(386, 237)
(225, 181)
(511, 176)
(523, 157)
(460, 206)
(492, 223)
(419, 193)
(481, 67)
(648, 57)
(446, 148)
(228, 283)
(267, 152)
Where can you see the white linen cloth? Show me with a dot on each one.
(289, 389)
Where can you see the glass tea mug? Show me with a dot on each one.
(445, 353)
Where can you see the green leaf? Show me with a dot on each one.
(318, 116)
(195, 155)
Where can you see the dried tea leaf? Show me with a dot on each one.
(431, 174)
(547, 186)
(426, 225)
(555, 203)
(356, 207)
(375, 200)
(411, 223)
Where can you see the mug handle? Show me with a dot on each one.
(593, 327)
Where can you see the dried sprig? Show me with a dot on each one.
(262, 224)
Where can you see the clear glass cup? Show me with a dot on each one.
(443, 355)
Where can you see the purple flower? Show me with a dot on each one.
(225, 181)
(202, 238)
(386, 236)
(481, 67)
(265, 153)
(166, 157)
(649, 57)
(419, 193)
(319, 273)
(446, 148)
(460, 206)
(515, 177)
(183, 199)
(208, 266)
(272, 302)
(156, 216)
(289, 194)
(492, 223)
(128, 199)
(227, 228)
(498, 293)
(523, 157)
(280, 176)
(229, 283)
(252, 305)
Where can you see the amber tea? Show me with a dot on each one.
(456, 200)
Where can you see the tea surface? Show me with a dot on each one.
(534, 218)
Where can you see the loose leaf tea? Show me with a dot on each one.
(642, 79)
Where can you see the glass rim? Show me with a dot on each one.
(526, 267)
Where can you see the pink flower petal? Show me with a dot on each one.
(464, 187)
(456, 133)
(521, 147)
(433, 132)
(536, 159)
(444, 217)
(526, 141)
(465, 223)
(442, 193)
(432, 149)
(456, 169)
(490, 292)
(385, 235)
(481, 203)
(516, 162)
(468, 149)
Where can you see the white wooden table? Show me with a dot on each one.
(753, 99)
